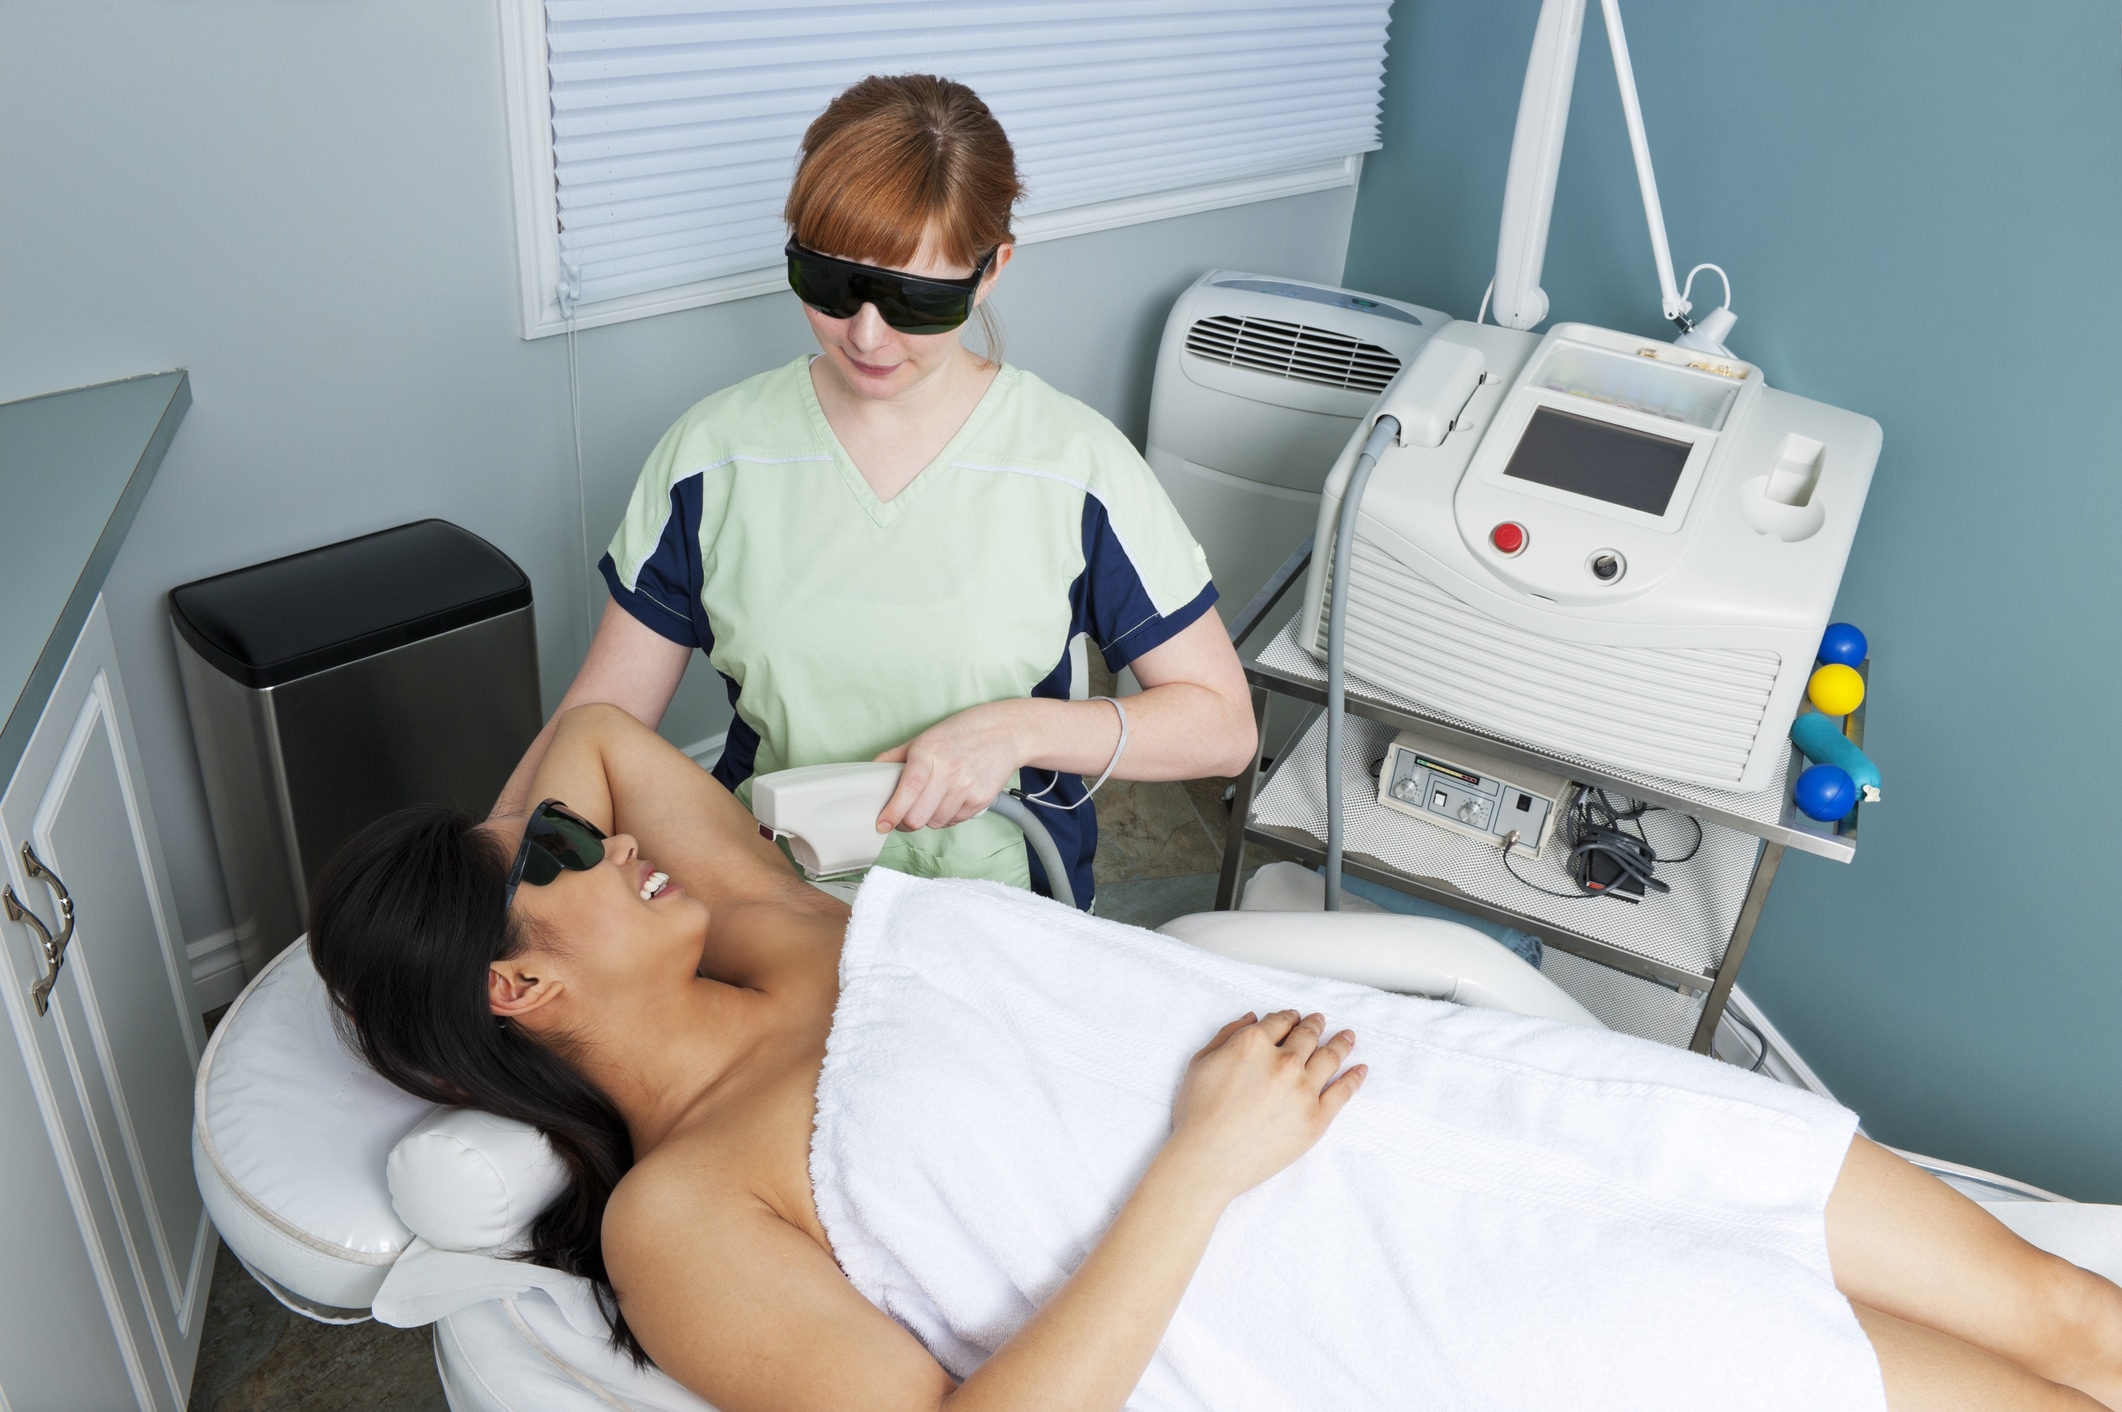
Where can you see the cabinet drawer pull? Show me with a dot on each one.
(54, 947)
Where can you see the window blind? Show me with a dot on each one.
(675, 122)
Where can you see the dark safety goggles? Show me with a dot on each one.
(909, 303)
(557, 840)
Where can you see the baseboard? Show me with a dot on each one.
(706, 752)
(217, 969)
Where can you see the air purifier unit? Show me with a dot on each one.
(1260, 383)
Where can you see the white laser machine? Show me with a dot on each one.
(1603, 545)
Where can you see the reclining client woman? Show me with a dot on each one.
(971, 1149)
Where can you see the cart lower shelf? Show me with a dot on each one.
(1645, 967)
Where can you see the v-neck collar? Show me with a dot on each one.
(883, 512)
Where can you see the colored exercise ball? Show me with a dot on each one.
(1843, 643)
(1826, 793)
(1836, 689)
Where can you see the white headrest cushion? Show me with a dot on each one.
(467, 1180)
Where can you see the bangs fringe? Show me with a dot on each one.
(896, 161)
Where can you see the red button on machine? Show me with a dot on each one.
(1508, 537)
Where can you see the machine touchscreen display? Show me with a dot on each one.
(1589, 457)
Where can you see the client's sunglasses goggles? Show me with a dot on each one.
(557, 840)
(909, 303)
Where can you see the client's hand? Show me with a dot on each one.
(1258, 1096)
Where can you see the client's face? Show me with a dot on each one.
(606, 932)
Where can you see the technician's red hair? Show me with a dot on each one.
(895, 159)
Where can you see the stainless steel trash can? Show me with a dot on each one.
(330, 687)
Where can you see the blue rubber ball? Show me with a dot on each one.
(1843, 643)
(1826, 793)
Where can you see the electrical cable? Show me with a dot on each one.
(1040, 797)
(1381, 436)
(574, 419)
(1760, 1040)
(1042, 842)
(1690, 287)
(1595, 829)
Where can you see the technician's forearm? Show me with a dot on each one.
(1086, 1349)
(515, 795)
(629, 667)
(513, 800)
(1177, 731)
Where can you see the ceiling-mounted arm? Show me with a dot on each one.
(1535, 161)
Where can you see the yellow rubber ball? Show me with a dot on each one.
(1837, 690)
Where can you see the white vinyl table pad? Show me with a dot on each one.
(1687, 928)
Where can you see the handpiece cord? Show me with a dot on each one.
(1381, 436)
(1110, 765)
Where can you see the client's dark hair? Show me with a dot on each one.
(405, 921)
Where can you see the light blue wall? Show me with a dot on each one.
(308, 206)
(1921, 204)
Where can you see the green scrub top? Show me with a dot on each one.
(844, 625)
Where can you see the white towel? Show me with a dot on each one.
(1511, 1214)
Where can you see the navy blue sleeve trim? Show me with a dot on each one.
(1154, 632)
(647, 610)
(1111, 602)
(665, 597)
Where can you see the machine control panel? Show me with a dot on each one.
(1470, 793)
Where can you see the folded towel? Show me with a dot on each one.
(427, 1284)
(1511, 1214)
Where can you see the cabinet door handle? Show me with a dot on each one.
(54, 947)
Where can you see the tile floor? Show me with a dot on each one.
(1159, 849)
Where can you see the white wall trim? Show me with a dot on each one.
(217, 969)
(705, 753)
(528, 117)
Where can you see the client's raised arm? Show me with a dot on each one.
(626, 779)
(750, 1311)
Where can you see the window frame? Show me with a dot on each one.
(528, 112)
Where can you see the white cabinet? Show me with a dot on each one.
(105, 1249)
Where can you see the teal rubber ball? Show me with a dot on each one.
(1843, 643)
(1826, 793)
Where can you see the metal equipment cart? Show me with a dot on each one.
(1661, 968)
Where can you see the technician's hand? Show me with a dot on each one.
(1257, 1098)
(954, 769)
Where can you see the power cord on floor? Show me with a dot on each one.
(1607, 849)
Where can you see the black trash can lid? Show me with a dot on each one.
(310, 612)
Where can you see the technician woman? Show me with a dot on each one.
(893, 549)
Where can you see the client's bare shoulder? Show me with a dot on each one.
(715, 1225)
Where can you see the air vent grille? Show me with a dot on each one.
(1295, 351)
(1674, 713)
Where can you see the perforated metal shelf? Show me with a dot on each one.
(1676, 937)
(1286, 666)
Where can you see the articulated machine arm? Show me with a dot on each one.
(1536, 161)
